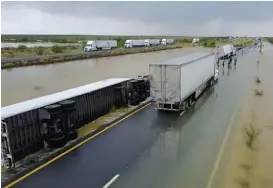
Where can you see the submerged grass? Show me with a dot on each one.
(259, 92)
(243, 182)
(257, 80)
(251, 134)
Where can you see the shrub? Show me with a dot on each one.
(259, 92)
(39, 50)
(24, 39)
(257, 80)
(57, 49)
(205, 44)
(212, 44)
(73, 47)
(22, 47)
(251, 134)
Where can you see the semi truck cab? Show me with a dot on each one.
(147, 42)
(164, 42)
(128, 44)
(90, 46)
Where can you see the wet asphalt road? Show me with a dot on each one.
(153, 149)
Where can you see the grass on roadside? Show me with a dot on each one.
(251, 134)
(38, 51)
(113, 113)
(257, 80)
(259, 92)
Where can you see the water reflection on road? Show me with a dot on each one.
(21, 84)
(184, 154)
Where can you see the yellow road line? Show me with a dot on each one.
(73, 148)
(221, 151)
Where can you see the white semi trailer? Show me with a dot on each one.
(195, 40)
(177, 83)
(95, 45)
(167, 41)
(134, 43)
(152, 42)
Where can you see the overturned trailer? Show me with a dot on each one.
(177, 83)
(25, 126)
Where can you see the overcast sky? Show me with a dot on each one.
(138, 18)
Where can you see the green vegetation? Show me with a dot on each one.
(269, 39)
(113, 114)
(22, 47)
(58, 49)
(259, 92)
(77, 38)
(23, 51)
(209, 44)
(251, 134)
(84, 38)
(76, 56)
(243, 182)
(257, 80)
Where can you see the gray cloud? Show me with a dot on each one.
(177, 17)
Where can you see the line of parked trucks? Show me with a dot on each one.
(96, 45)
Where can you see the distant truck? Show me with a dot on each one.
(176, 84)
(95, 45)
(152, 42)
(167, 41)
(134, 43)
(195, 40)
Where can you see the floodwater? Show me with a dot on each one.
(25, 83)
(190, 152)
(35, 44)
(243, 166)
(152, 149)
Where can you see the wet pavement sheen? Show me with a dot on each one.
(152, 149)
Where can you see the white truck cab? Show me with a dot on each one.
(90, 46)
(147, 42)
(164, 42)
(128, 44)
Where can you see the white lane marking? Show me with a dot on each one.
(221, 151)
(111, 181)
(182, 113)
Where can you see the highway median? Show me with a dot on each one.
(63, 57)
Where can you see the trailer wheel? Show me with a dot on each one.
(190, 100)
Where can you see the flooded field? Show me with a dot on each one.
(35, 44)
(247, 161)
(21, 84)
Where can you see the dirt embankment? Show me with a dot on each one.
(250, 159)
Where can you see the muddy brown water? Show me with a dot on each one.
(25, 83)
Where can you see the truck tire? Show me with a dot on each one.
(52, 108)
(72, 135)
(56, 142)
(134, 102)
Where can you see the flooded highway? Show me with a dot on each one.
(25, 83)
(186, 154)
(152, 149)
